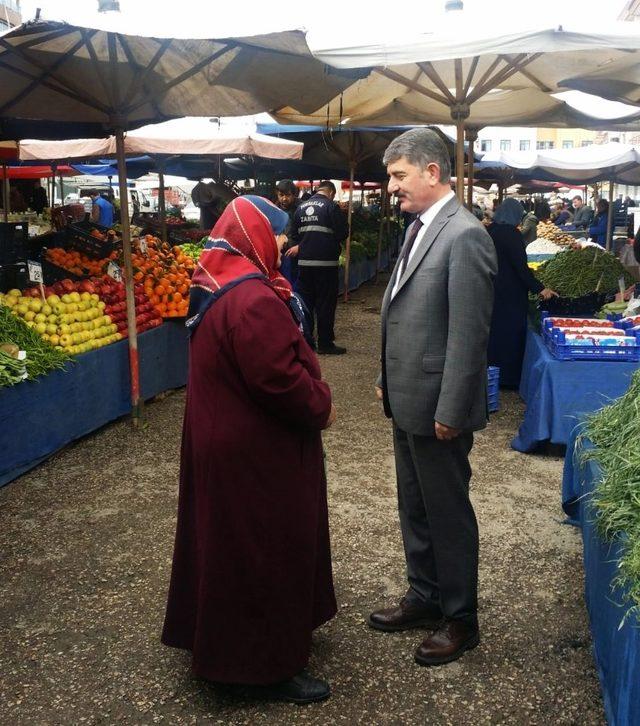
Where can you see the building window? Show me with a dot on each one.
(505, 145)
(567, 144)
(544, 144)
(525, 144)
(4, 25)
(485, 145)
(586, 142)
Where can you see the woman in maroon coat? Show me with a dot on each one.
(251, 572)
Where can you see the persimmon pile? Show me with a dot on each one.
(165, 273)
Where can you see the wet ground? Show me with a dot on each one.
(85, 552)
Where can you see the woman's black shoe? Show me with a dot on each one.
(301, 689)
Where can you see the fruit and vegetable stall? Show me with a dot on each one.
(581, 350)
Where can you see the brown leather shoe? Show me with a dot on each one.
(447, 643)
(405, 616)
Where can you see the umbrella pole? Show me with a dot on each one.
(161, 203)
(610, 217)
(472, 135)
(383, 204)
(347, 251)
(5, 192)
(136, 404)
(460, 158)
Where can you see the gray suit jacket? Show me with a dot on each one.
(436, 328)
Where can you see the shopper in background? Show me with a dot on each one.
(101, 210)
(582, 214)
(529, 227)
(563, 214)
(318, 229)
(251, 572)
(512, 284)
(287, 198)
(598, 230)
(38, 200)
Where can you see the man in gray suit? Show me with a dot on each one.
(436, 314)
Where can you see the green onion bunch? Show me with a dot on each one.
(615, 433)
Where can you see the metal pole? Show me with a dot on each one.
(161, 202)
(472, 135)
(460, 159)
(347, 251)
(5, 192)
(136, 403)
(610, 217)
(383, 204)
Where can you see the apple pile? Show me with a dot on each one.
(112, 293)
(74, 322)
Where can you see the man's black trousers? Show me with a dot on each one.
(318, 287)
(439, 528)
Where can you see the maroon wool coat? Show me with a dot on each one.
(251, 572)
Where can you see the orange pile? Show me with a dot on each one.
(165, 273)
(75, 262)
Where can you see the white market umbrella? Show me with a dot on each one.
(56, 71)
(476, 78)
(188, 136)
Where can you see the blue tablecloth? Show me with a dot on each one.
(37, 418)
(616, 649)
(558, 392)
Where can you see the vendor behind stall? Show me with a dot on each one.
(512, 284)
(598, 230)
(101, 210)
(38, 199)
(582, 214)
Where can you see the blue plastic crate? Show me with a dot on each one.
(563, 351)
(493, 388)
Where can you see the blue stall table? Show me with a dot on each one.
(362, 271)
(37, 418)
(616, 648)
(558, 392)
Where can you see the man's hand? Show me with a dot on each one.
(445, 433)
(379, 394)
(333, 414)
(292, 251)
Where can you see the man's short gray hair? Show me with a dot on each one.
(420, 147)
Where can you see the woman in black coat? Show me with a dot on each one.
(512, 284)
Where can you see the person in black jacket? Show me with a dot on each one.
(318, 229)
(287, 199)
(512, 284)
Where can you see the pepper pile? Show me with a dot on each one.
(575, 273)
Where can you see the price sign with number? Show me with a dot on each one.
(113, 270)
(144, 248)
(35, 271)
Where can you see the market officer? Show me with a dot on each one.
(318, 229)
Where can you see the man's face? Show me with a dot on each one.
(285, 200)
(416, 188)
(577, 203)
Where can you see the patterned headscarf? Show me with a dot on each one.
(241, 246)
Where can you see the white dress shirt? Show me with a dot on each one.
(427, 217)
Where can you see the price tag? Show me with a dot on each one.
(35, 271)
(113, 270)
(144, 247)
